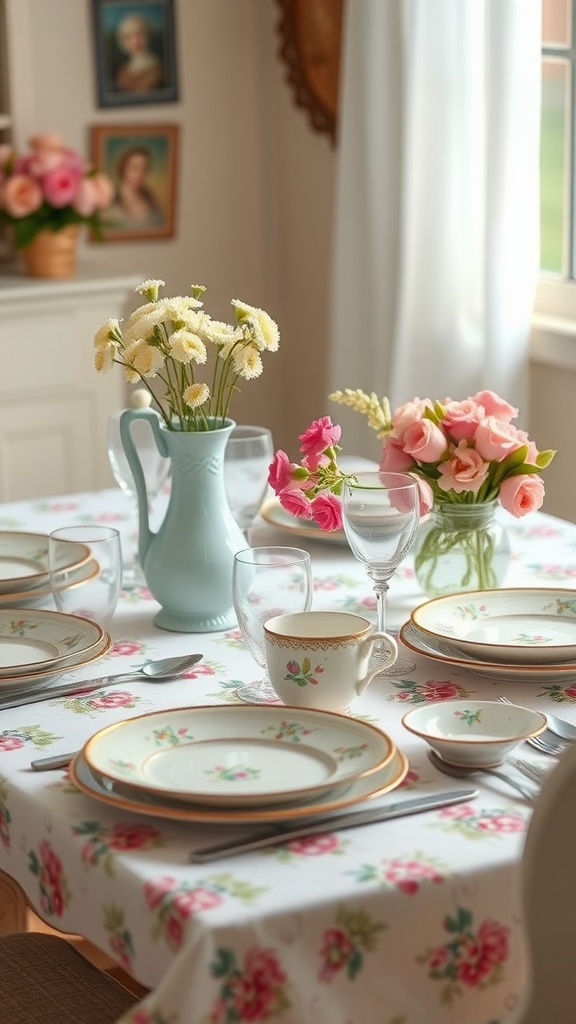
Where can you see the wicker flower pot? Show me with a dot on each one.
(52, 253)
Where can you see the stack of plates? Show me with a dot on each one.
(526, 633)
(239, 764)
(37, 646)
(24, 575)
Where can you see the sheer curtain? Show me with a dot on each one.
(437, 223)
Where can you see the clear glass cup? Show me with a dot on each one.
(380, 515)
(247, 459)
(96, 597)
(267, 581)
(156, 470)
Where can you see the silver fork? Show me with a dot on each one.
(559, 726)
(531, 771)
(546, 746)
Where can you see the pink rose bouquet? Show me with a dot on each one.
(50, 188)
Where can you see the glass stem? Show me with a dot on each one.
(381, 591)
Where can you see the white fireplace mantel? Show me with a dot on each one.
(54, 406)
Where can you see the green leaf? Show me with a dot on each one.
(544, 459)
(306, 665)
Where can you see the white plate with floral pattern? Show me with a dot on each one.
(440, 650)
(518, 626)
(24, 560)
(273, 513)
(239, 756)
(74, 578)
(34, 640)
(131, 798)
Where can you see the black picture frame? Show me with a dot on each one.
(135, 52)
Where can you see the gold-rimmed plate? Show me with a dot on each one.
(273, 514)
(130, 798)
(32, 640)
(24, 560)
(74, 578)
(27, 681)
(238, 755)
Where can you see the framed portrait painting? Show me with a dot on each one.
(135, 52)
(141, 161)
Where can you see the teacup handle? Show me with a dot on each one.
(366, 646)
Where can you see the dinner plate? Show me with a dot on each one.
(240, 755)
(24, 560)
(519, 626)
(130, 798)
(273, 513)
(27, 681)
(34, 639)
(26, 598)
(440, 650)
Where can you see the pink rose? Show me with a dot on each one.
(85, 200)
(157, 889)
(462, 418)
(426, 496)
(280, 472)
(522, 494)
(104, 189)
(495, 439)
(393, 458)
(60, 186)
(407, 414)
(327, 511)
(465, 470)
(46, 140)
(21, 196)
(425, 441)
(495, 406)
(11, 742)
(118, 699)
(321, 434)
(296, 503)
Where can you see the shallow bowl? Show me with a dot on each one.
(473, 733)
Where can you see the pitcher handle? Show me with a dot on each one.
(367, 646)
(145, 534)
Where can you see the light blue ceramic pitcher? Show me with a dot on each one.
(188, 563)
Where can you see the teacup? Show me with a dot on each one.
(320, 659)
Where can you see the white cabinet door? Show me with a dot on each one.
(54, 406)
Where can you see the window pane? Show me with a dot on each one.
(553, 164)
(556, 22)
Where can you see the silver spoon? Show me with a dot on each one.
(159, 671)
(463, 773)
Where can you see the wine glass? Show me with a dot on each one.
(267, 581)
(155, 468)
(381, 514)
(247, 458)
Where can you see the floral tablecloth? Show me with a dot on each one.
(414, 921)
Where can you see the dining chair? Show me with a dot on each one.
(44, 978)
(548, 899)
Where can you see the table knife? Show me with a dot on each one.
(282, 833)
(64, 690)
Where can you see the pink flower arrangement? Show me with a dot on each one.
(50, 188)
(464, 452)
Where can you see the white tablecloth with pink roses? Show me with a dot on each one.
(414, 921)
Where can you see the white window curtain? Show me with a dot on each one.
(437, 199)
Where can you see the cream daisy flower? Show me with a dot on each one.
(149, 289)
(264, 329)
(110, 331)
(145, 360)
(196, 395)
(104, 358)
(187, 348)
(247, 362)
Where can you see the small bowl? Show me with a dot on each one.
(474, 733)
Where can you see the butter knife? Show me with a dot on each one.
(282, 833)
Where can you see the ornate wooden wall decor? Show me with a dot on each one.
(310, 40)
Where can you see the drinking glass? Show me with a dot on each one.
(96, 597)
(267, 581)
(380, 514)
(155, 468)
(247, 458)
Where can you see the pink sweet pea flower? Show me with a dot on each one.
(393, 458)
(495, 406)
(522, 494)
(321, 434)
(462, 418)
(296, 503)
(425, 442)
(21, 195)
(327, 511)
(465, 470)
(60, 186)
(280, 472)
(495, 439)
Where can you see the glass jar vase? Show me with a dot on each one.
(461, 547)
